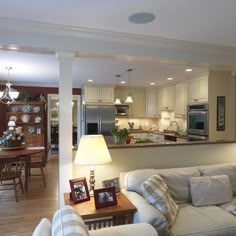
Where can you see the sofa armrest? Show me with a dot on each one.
(146, 213)
(126, 230)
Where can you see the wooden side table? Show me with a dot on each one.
(122, 213)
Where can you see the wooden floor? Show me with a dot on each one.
(20, 219)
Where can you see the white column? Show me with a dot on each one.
(65, 122)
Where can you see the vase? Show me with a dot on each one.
(119, 140)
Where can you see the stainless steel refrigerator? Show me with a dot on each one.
(99, 119)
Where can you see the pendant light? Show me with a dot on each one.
(117, 100)
(9, 94)
(129, 98)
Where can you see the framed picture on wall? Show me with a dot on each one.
(220, 123)
(79, 190)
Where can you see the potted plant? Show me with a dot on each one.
(120, 135)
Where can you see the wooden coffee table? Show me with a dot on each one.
(122, 213)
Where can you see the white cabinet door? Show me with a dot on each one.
(171, 97)
(106, 94)
(167, 97)
(97, 94)
(180, 108)
(91, 94)
(151, 102)
(159, 101)
(137, 108)
(198, 89)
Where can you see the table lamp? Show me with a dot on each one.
(92, 151)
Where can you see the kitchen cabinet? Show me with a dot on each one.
(31, 116)
(166, 98)
(151, 102)
(198, 89)
(98, 94)
(138, 107)
(180, 107)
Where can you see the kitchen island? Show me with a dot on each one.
(168, 143)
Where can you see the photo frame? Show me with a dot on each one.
(112, 183)
(220, 123)
(105, 197)
(79, 190)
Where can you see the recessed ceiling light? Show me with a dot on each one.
(169, 78)
(189, 70)
(90, 80)
(152, 83)
(141, 18)
(122, 82)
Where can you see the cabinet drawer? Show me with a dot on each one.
(34, 140)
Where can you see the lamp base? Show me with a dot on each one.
(92, 181)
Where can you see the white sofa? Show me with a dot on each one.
(67, 222)
(209, 219)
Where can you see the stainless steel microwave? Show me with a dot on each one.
(122, 110)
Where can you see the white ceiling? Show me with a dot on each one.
(204, 21)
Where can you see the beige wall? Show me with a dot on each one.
(221, 83)
(159, 157)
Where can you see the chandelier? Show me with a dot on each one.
(9, 94)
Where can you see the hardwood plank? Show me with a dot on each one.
(20, 219)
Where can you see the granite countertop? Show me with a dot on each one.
(171, 133)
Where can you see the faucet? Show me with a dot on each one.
(177, 126)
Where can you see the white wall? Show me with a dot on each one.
(126, 159)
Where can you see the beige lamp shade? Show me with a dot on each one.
(92, 151)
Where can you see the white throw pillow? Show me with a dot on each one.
(210, 190)
(156, 192)
(67, 221)
(43, 228)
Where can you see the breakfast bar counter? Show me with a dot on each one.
(168, 143)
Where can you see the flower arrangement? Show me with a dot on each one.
(12, 138)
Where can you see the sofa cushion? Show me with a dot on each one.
(210, 190)
(221, 169)
(156, 192)
(43, 228)
(67, 221)
(177, 180)
(203, 221)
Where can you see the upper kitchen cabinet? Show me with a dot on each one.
(198, 89)
(99, 94)
(166, 98)
(151, 102)
(180, 108)
(138, 108)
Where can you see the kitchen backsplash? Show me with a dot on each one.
(153, 123)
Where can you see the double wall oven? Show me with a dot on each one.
(197, 122)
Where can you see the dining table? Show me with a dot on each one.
(22, 152)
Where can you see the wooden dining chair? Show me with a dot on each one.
(10, 172)
(39, 162)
